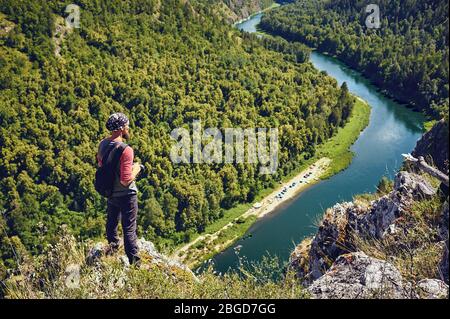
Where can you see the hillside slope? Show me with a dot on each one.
(391, 244)
(164, 64)
(235, 10)
(407, 56)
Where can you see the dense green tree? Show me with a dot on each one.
(165, 64)
(407, 56)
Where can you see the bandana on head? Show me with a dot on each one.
(116, 122)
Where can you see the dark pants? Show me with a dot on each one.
(125, 208)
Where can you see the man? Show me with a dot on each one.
(122, 204)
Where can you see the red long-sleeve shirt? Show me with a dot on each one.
(126, 164)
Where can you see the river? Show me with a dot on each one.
(393, 130)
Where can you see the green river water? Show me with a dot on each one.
(393, 130)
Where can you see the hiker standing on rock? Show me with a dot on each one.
(117, 183)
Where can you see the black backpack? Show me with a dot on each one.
(105, 174)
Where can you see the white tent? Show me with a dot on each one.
(257, 205)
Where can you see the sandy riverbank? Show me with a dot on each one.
(283, 194)
(289, 189)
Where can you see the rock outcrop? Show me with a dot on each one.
(147, 252)
(385, 215)
(344, 221)
(358, 276)
(313, 260)
(244, 9)
(433, 146)
(432, 289)
(355, 276)
(331, 265)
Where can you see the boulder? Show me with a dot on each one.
(329, 242)
(312, 258)
(381, 219)
(149, 256)
(432, 289)
(343, 221)
(358, 276)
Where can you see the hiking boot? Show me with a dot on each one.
(136, 261)
(111, 249)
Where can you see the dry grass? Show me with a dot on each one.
(46, 276)
(415, 249)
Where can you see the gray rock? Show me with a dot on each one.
(311, 261)
(343, 221)
(433, 146)
(160, 259)
(377, 221)
(357, 276)
(148, 247)
(413, 186)
(328, 243)
(145, 247)
(432, 289)
(381, 218)
(124, 260)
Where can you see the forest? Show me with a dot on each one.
(407, 56)
(164, 64)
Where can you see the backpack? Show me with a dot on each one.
(105, 174)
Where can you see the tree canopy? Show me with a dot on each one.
(407, 56)
(164, 64)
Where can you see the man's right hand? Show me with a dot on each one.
(134, 173)
(136, 169)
